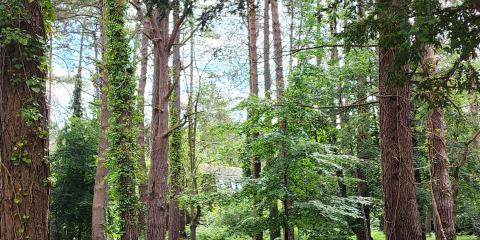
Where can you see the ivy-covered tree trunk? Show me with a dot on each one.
(122, 155)
(24, 170)
(401, 216)
(100, 188)
(442, 201)
(176, 140)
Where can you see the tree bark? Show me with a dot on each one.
(158, 188)
(142, 81)
(24, 168)
(442, 201)
(278, 59)
(401, 219)
(100, 189)
(400, 207)
(253, 59)
(275, 230)
(266, 49)
(192, 132)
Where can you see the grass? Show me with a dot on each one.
(378, 235)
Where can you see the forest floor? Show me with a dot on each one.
(378, 235)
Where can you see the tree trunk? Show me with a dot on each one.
(277, 45)
(122, 161)
(158, 188)
(253, 59)
(442, 202)
(100, 189)
(24, 171)
(77, 91)
(266, 49)
(275, 230)
(363, 135)
(176, 140)
(142, 81)
(400, 207)
(192, 132)
(401, 219)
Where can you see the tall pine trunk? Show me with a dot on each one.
(192, 132)
(142, 81)
(266, 49)
(274, 230)
(24, 171)
(401, 217)
(158, 188)
(442, 201)
(253, 59)
(278, 59)
(100, 188)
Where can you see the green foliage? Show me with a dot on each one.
(73, 172)
(123, 152)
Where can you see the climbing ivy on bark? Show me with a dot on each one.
(123, 153)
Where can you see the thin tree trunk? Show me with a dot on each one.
(158, 186)
(277, 45)
(363, 136)
(253, 58)
(401, 217)
(274, 231)
(291, 38)
(175, 141)
(142, 81)
(77, 91)
(362, 153)
(442, 202)
(266, 49)
(192, 129)
(24, 171)
(100, 189)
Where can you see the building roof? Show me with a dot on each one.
(223, 172)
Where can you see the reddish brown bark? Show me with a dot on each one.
(24, 169)
(100, 189)
(442, 201)
(274, 231)
(443, 207)
(401, 216)
(402, 220)
(266, 49)
(253, 59)
(157, 192)
(278, 59)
